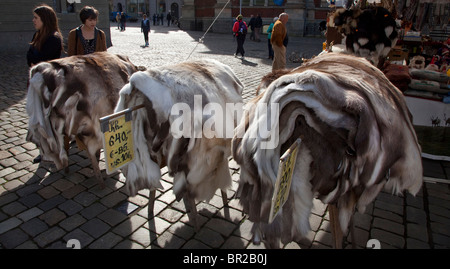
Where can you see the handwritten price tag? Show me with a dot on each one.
(117, 140)
(284, 179)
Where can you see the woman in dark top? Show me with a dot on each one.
(47, 42)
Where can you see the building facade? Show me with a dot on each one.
(304, 15)
(135, 8)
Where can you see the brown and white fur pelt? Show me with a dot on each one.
(66, 97)
(369, 33)
(357, 137)
(199, 165)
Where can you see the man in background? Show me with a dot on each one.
(278, 35)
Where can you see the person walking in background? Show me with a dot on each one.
(145, 28)
(278, 35)
(240, 31)
(169, 18)
(123, 21)
(86, 38)
(118, 20)
(154, 19)
(269, 35)
(258, 25)
(47, 41)
(251, 24)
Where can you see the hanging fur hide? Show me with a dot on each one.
(66, 97)
(369, 33)
(357, 137)
(198, 161)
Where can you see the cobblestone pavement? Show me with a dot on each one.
(42, 208)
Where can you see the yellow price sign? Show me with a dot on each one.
(117, 140)
(284, 179)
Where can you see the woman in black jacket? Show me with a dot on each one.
(47, 42)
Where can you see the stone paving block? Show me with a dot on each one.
(8, 162)
(112, 217)
(74, 191)
(439, 210)
(324, 238)
(7, 197)
(13, 238)
(93, 210)
(28, 190)
(419, 232)
(416, 215)
(53, 216)
(221, 226)
(52, 202)
(377, 212)
(99, 191)
(170, 215)
(157, 225)
(48, 192)
(30, 213)
(126, 208)
(34, 227)
(77, 234)
(234, 242)
(12, 185)
(129, 226)
(128, 244)
(95, 228)
(440, 228)
(14, 208)
(168, 240)
(210, 238)
(49, 236)
(387, 239)
(113, 199)
(31, 200)
(28, 245)
(395, 208)
(230, 214)
(16, 175)
(441, 240)
(85, 198)
(9, 224)
(182, 230)
(70, 207)
(62, 184)
(108, 241)
(414, 201)
(48, 178)
(142, 236)
(72, 222)
(388, 225)
(195, 244)
(412, 243)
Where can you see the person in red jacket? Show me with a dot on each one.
(240, 31)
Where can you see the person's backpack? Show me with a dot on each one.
(242, 28)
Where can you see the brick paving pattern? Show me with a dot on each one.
(43, 208)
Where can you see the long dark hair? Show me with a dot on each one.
(50, 26)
